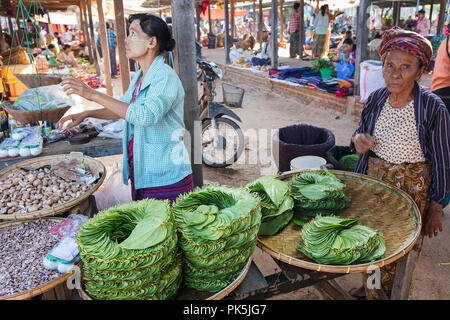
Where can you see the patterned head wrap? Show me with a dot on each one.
(406, 41)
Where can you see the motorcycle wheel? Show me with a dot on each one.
(231, 143)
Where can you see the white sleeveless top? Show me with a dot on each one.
(396, 136)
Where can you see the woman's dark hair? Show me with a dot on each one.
(154, 26)
(50, 46)
(83, 45)
(66, 46)
(296, 5)
(422, 11)
(348, 41)
(323, 9)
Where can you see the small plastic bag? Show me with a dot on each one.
(113, 191)
(43, 98)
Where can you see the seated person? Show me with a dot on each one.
(50, 51)
(66, 57)
(347, 52)
(84, 52)
(375, 44)
(348, 35)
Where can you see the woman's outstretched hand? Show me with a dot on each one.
(75, 119)
(74, 86)
(363, 142)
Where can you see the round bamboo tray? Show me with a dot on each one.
(92, 164)
(25, 117)
(379, 205)
(39, 79)
(186, 293)
(27, 295)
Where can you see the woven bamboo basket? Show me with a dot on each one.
(39, 80)
(379, 205)
(190, 294)
(92, 164)
(42, 289)
(25, 117)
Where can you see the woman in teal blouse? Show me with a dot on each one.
(154, 157)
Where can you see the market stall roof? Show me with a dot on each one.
(219, 14)
(403, 3)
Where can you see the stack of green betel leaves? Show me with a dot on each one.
(318, 193)
(276, 203)
(219, 229)
(130, 252)
(336, 241)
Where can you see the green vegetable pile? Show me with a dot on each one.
(276, 203)
(219, 229)
(321, 63)
(350, 160)
(318, 193)
(336, 241)
(130, 252)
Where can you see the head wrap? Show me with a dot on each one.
(406, 41)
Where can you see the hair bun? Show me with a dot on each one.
(170, 45)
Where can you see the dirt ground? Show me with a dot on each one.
(264, 111)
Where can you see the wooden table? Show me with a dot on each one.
(97, 147)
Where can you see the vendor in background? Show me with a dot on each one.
(84, 51)
(66, 57)
(322, 22)
(348, 35)
(404, 135)
(293, 29)
(422, 24)
(440, 84)
(347, 52)
(50, 51)
(58, 38)
(154, 156)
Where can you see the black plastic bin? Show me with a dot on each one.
(335, 154)
(300, 140)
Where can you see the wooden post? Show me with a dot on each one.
(197, 14)
(431, 11)
(260, 23)
(121, 31)
(396, 13)
(105, 47)
(209, 19)
(89, 37)
(441, 21)
(254, 20)
(362, 38)
(274, 59)
(233, 28)
(301, 28)
(84, 28)
(184, 31)
(226, 39)
(93, 40)
(281, 21)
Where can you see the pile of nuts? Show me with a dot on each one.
(22, 250)
(25, 192)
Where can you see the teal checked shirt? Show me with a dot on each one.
(156, 119)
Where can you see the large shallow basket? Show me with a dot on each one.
(190, 294)
(25, 117)
(94, 166)
(39, 79)
(380, 206)
(28, 294)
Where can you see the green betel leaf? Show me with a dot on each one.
(273, 226)
(148, 233)
(274, 188)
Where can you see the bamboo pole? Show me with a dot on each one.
(254, 19)
(227, 32)
(233, 29)
(89, 37)
(184, 33)
(121, 33)
(93, 40)
(84, 28)
(105, 47)
(209, 19)
(281, 21)
(431, 11)
(301, 28)
(442, 8)
(260, 23)
(197, 13)
(274, 34)
(361, 38)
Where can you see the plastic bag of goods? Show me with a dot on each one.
(113, 191)
(371, 78)
(43, 98)
(9, 148)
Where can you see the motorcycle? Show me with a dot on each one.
(222, 138)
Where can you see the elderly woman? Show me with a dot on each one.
(404, 133)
